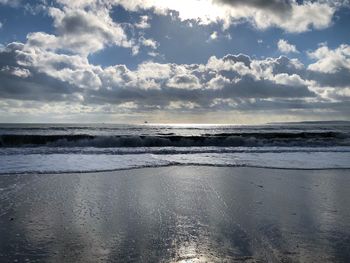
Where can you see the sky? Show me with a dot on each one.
(174, 61)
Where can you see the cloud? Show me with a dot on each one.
(13, 3)
(291, 80)
(214, 35)
(276, 5)
(143, 23)
(233, 82)
(300, 18)
(291, 16)
(148, 42)
(39, 75)
(151, 82)
(285, 47)
(152, 70)
(184, 81)
(330, 61)
(16, 71)
(153, 54)
(331, 68)
(81, 31)
(52, 72)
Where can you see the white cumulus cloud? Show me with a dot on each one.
(286, 47)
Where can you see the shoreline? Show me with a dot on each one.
(177, 213)
(171, 165)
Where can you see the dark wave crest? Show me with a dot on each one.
(300, 139)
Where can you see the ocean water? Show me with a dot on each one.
(59, 148)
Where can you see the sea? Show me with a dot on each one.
(68, 148)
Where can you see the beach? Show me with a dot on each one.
(174, 131)
(176, 214)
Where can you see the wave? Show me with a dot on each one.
(69, 163)
(167, 150)
(249, 139)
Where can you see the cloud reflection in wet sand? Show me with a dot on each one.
(177, 214)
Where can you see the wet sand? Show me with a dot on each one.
(177, 214)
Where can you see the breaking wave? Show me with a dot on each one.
(282, 139)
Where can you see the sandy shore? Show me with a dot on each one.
(177, 214)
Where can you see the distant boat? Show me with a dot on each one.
(145, 122)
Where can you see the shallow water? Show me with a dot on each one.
(177, 214)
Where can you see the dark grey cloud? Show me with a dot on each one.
(299, 107)
(184, 81)
(248, 87)
(238, 58)
(31, 86)
(38, 87)
(341, 78)
(9, 53)
(284, 65)
(232, 82)
(280, 6)
(78, 23)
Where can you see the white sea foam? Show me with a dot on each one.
(59, 163)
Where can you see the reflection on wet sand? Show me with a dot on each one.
(176, 214)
